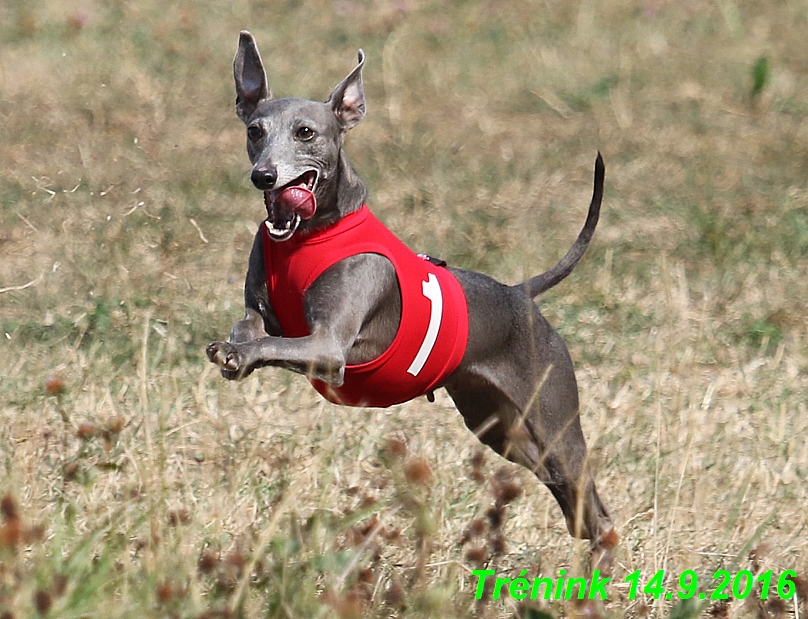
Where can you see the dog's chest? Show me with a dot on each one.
(433, 331)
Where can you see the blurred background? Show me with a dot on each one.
(126, 219)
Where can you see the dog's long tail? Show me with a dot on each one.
(538, 284)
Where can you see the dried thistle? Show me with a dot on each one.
(610, 540)
(801, 586)
(235, 561)
(508, 493)
(365, 584)
(164, 592)
(417, 471)
(762, 612)
(55, 385)
(719, 610)
(395, 448)
(70, 470)
(59, 584)
(476, 555)
(758, 555)
(43, 601)
(116, 424)
(10, 534)
(505, 488)
(476, 528)
(477, 460)
(367, 502)
(177, 517)
(776, 606)
(8, 508)
(392, 536)
(347, 606)
(495, 516)
(12, 531)
(368, 527)
(395, 596)
(85, 431)
(498, 544)
(583, 609)
(35, 533)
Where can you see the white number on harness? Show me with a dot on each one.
(432, 291)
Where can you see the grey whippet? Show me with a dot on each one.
(515, 385)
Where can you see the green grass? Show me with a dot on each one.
(151, 487)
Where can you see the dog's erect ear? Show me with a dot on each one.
(251, 79)
(348, 99)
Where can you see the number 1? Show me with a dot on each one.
(432, 291)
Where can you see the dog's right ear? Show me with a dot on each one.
(251, 79)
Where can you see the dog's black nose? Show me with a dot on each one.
(264, 177)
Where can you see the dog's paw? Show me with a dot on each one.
(227, 357)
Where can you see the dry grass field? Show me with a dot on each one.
(136, 482)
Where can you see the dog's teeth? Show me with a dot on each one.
(285, 233)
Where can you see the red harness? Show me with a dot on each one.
(431, 337)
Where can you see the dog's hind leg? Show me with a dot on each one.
(535, 423)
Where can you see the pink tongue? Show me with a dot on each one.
(298, 200)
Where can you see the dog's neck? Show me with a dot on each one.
(342, 194)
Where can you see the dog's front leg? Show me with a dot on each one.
(249, 328)
(318, 356)
(353, 309)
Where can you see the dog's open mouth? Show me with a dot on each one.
(287, 206)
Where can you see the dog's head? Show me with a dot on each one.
(295, 145)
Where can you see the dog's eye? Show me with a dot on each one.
(304, 134)
(254, 133)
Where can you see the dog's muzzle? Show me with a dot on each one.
(289, 205)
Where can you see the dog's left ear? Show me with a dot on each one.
(348, 99)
